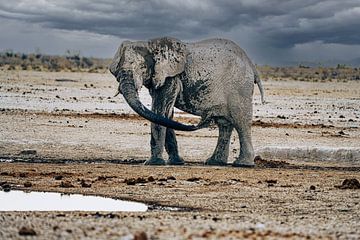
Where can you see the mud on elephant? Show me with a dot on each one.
(212, 78)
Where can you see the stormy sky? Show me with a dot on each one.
(271, 31)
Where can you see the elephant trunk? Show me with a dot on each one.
(128, 90)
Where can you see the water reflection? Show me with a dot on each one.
(48, 201)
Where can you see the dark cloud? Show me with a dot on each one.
(265, 26)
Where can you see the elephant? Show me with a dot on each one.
(212, 78)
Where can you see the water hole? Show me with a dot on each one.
(16, 200)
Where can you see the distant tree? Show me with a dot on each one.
(37, 53)
(341, 66)
(9, 53)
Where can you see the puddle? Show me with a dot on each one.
(48, 201)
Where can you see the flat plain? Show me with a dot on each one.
(65, 132)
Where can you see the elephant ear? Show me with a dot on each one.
(170, 58)
(119, 58)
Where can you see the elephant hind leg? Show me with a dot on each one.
(221, 153)
(246, 157)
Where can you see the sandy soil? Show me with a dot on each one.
(68, 124)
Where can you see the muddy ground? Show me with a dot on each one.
(69, 125)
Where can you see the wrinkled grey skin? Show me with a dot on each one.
(213, 79)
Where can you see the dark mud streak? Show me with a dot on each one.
(35, 159)
(65, 80)
(169, 208)
(263, 164)
(126, 116)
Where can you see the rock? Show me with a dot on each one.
(193, 179)
(101, 178)
(6, 187)
(140, 236)
(171, 178)
(85, 184)
(66, 184)
(351, 183)
(3, 183)
(27, 184)
(271, 181)
(26, 231)
(130, 181)
(23, 175)
(133, 181)
(28, 152)
(58, 177)
(312, 187)
(151, 179)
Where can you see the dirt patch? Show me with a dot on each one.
(97, 146)
(27, 231)
(194, 200)
(262, 163)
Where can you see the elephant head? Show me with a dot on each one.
(148, 63)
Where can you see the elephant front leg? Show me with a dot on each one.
(158, 135)
(163, 104)
(172, 148)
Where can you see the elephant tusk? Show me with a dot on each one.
(117, 93)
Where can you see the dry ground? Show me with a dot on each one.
(81, 133)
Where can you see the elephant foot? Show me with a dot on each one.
(155, 161)
(215, 162)
(243, 163)
(175, 161)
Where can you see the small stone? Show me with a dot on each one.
(101, 178)
(23, 175)
(133, 181)
(26, 231)
(271, 181)
(58, 177)
(312, 187)
(351, 183)
(193, 179)
(66, 184)
(6, 187)
(28, 152)
(27, 184)
(140, 236)
(3, 183)
(171, 178)
(85, 184)
(151, 179)
(130, 181)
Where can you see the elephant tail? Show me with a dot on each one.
(258, 81)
